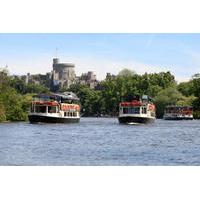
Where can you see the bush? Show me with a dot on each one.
(196, 114)
(2, 112)
(15, 106)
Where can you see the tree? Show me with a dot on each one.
(168, 96)
(196, 85)
(162, 79)
(91, 100)
(19, 85)
(13, 106)
(196, 91)
(186, 88)
(2, 111)
(126, 72)
(186, 101)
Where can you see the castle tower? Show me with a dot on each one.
(63, 73)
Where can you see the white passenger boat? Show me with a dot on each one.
(178, 113)
(136, 110)
(55, 108)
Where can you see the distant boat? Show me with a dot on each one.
(55, 108)
(136, 110)
(178, 113)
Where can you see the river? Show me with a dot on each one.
(100, 141)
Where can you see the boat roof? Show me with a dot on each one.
(58, 96)
(137, 97)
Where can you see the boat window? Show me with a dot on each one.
(40, 109)
(74, 114)
(32, 108)
(144, 110)
(153, 114)
(70, 114)
(134, 110)
(125, 110)
(51, 109)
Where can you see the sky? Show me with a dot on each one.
(102, 53)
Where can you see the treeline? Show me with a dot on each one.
(15, 95)
(162, 87)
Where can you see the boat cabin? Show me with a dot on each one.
(179, 109)
(137, 105)
(133, 110)
(55, 108)
(178, 112)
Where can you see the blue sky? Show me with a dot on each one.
(101, 53)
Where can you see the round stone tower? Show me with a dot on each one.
(63, 73)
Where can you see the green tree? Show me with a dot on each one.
(168, 96)
(162, 79)
(196, 92)
(126, 72)
(91, 100)
(2, 111)
(196, 85)
(13, 106)
(23, 88)
(18, 84)
(186, 101)
(186, 88)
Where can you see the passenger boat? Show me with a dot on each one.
(55, 108)
(178, 113)
(136, 110)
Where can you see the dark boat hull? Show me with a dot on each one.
(177, 118)
(138, 120)
(46, 119)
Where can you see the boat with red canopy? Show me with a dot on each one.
(55, 108)
(178, 113)
(136, 110)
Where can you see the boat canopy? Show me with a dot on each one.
(143, 98)
(60, 97)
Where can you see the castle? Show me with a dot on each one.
(62, 76)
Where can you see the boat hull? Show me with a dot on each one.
(47, 119)
(178, 118)
(136, 120)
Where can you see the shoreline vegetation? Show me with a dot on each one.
(15, 95)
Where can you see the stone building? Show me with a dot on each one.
(38, 79)
(63, 74)
(88, 79)
(110, 76)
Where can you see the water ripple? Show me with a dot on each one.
(100, 141)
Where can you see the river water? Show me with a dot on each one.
(100, 141)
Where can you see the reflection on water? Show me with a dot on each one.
(100, 141)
